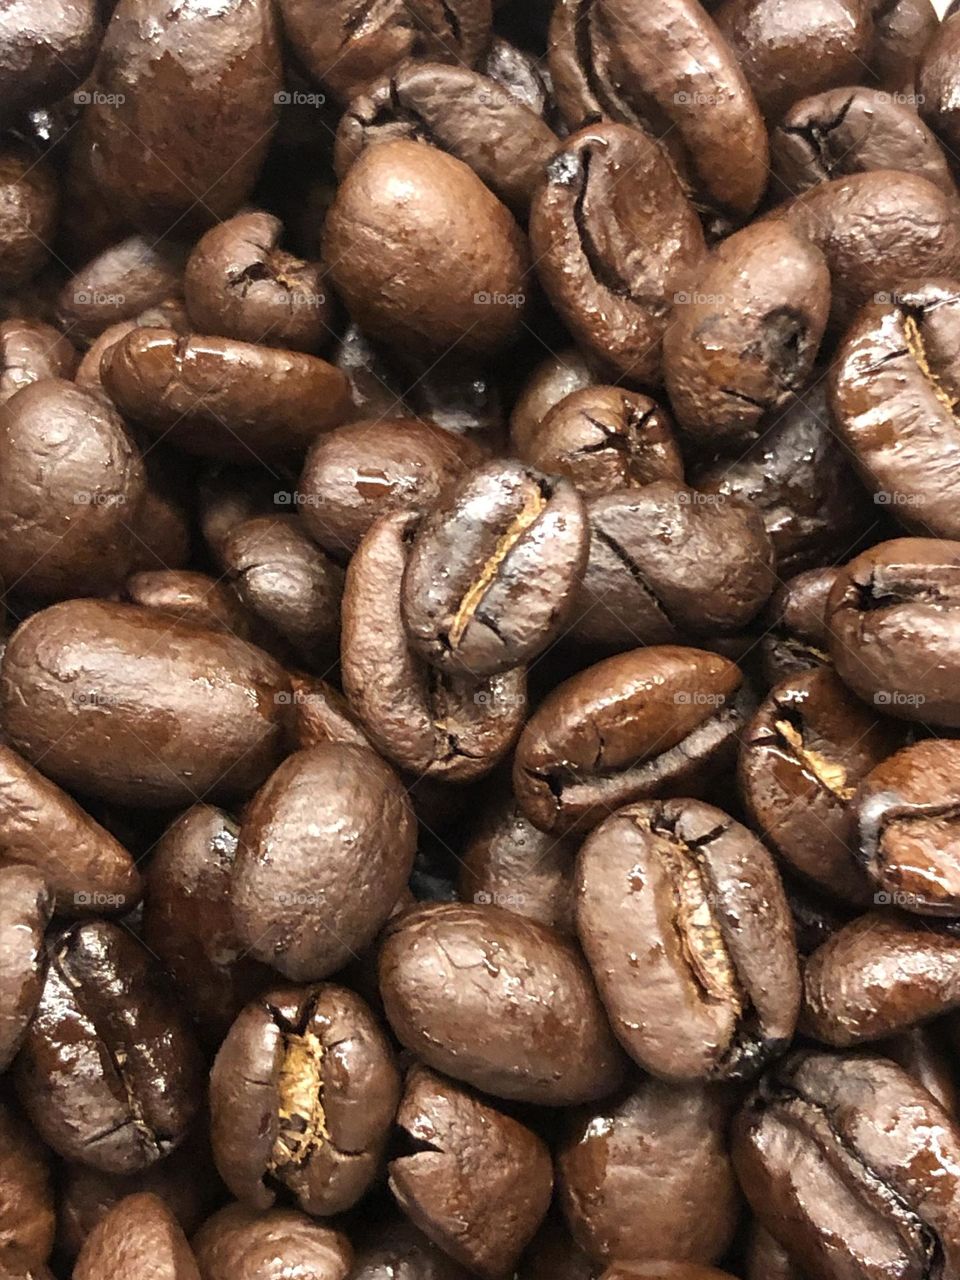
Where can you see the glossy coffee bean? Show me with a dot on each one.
(447, 971)
(698, 973)
(239, 283)
(46, 50)
(906, 810)
(413, 267)
(393, 1249)
(439, 724)
(120, 283)
(667, 562)
(492, 574)
(658, 720)
(745, 334)
(476, 1181)
(795, 627)
(322, 714)
(109, 1072)
(31, 351)
(302, 1094)
(893, 391)
(195, 89)
(608, 189)
(224, 399)
(85, 868)
(892, 626)
(104, 693)
(241, 1244)
(555, 378)
(325, 848)
(192, 597)
(936, 83)
(29, 199)
(803, 754)
(649, 1173)
(25, 910)
(673, 75)
(850, 1164)
(902, 33)
(924, 1052)
(139, 1236)
(27, 1206)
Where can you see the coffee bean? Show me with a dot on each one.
(27, 1206)
(768, 1260)
(240, 1244)
(31, 351)
(393, 1249)
(192, 597)
(936, 77)
(46, 50)
(120, 283)
(29, 200)
(138, 1234)
(795, 626)
(902, 32)
(25, 910)
(557, 377)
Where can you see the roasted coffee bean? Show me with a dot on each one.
(72, 482)
(423, 254)
(768, 1260)
(649, 1173)
(109, 1072)
(228, 495)
(31, 351)
(605, 438)
(883, 973)
(195, 89)
(46, 50)
(29, 200)
(503, 141)
(302, 1094)
(894, 391)
(521, 73)
(105, 694)
(667, 561)
(746, 334)
(240, 1244)
(615, 58)
(802, 756)
(440, 724)
(892, 628)
(187, 920)
(850, 1165)
(614, 238)
(795, 626)
(241, 284)
(713, 990)
(936, 83)
(447, 973)
(395, 1250)
(15, 1266)
(475, 1181)
(906, 813)
(27, 1207)
(192, 597)
(25, 910)
(493, 572)
(926, 1055)
(321, 714)
(325, 848)
(355, 473)
(346, 47)
(224, 399)
(118, 284)
(557, 377)
(851, 131)
(876, 230)
(86, 869)
(903, 29)
(661, 720)
(139, 1236)
(786, 56)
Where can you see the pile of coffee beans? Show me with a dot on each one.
(479, 640)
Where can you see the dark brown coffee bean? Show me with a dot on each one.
(686, 927)
(745, 333)
(795, 626)
(139, 1236)
(109, 1072)
(15, 1266)
(851, 1166)
(655, 720)
(25, 910)
(29, 200)
(31, 351)
(557, 377)
(302, 1094)
(195, 89)
(504, 142)
(936, 83)
(448, 975)
(476, 1182)
(192, 597)
(71, 486)
(768, 1260)
(325, 848)
(412, 269)
(241, 284)
(893, 628)
(673, 75)
(803, 754)
(224, 399)
(493, 571)
(27, 1207)
(321, 714)
(118, 284)
(355, 473)
(925, 1054)
(608, 190)
(393, 1249)
(649, 1173)
(893, 393)
(105, 694)
(903, 29)
(604, 438)
(46, 50)
(430, 722)
(87, 870)
(881, 974)
(667, 561)
(241, 1244)
(228, 495)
